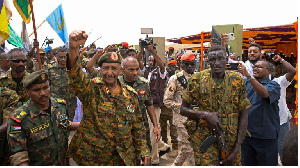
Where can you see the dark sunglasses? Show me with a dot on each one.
(18, 60)
(188, 63)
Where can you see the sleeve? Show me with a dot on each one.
(192, 91)
(162, 76)
(16, 137)
(139, 131)
(94, 73)
(284, 82)
(274, 91)
(243, 101)
(81, 86)
(10, 103)
(148, 101)
(29, 64)
(170, 92)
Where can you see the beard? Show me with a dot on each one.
(20, 68)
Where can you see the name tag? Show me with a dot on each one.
(39, 127)
(110, 104)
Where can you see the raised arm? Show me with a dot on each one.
(157, 59)
(291, 71)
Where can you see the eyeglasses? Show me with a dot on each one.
(18, 60)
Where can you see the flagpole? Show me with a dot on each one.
(35, 34)
(37, 28)
(201, 59)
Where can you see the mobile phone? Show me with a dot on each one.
(118, 46)
(230, 36)
(234, 66)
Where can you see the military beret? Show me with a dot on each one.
(42, 51)
(124, 44)
(187, 57)
(36, 77)
(110, 57)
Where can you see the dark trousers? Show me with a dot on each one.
(259, 152)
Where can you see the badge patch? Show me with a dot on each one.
(114, 56)
(63, 120)
(43, 76)
(142, 92)
(130, 108)
(15, 128)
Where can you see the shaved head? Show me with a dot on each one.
(129, 59)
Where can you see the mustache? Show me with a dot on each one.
(21, 66)
(109, 76)
(43, 97)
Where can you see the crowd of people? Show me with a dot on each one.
(121, 104)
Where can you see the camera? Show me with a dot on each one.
(145, 42)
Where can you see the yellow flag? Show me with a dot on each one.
(4, 31)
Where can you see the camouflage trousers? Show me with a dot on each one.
(164, 118)
(186, 152)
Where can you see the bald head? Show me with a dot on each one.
(3, 56)
(4, 63)
(129, 59)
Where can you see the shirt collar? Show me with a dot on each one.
(266, 80)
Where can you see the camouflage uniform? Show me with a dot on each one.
(37, 137)
(172, 100)
(200, 85)
(60, 88)
(112, 130)
(142, 88)
(8, 103)
(7, 81)
(32, 65)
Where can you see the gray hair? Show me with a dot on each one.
(129, 59)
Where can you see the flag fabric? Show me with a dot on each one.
(4, 31)
(57, 21)
(23, 7)
(8, 10)
(25, 38)
(15, 128)
(14, 39)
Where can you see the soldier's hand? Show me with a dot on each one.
(277, 58)
(224, 39)
(229, 161)
(146, 162)
(212, 119)
(156, 133)
(77, 38)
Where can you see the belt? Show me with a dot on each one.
(225, 121)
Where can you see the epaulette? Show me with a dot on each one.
(143, 79)
(50, 66)
(3, 77)
(131, 89)
(19, 115)
(61, 101)
(97, 80)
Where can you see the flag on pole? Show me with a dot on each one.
(57, 21)
(25, 38)
(8, 10)
(23, 7)
(14, 39)
(4, 31)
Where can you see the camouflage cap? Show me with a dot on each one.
(110, 57)
(36, 77)
(90, 53)
(42, 51)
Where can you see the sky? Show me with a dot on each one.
(121, 20)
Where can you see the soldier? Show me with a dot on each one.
(172, 100)
(32, 64)
(222, 106)
(140, 84)
(59, 82)
(112, 130)
(50, 57)
(8, 103)
(167, 114)
(4, 64)
(15, 78)
(37, 131)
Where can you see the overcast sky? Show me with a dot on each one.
(121, 20)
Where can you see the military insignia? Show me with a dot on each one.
(131, 89)
(106, 89)
(40, 127)
(14, 118)
(18, 116)
(97, 80)
(143, 80)
(130, 108)
(141, 92)
(15, 129)
(61, 101)
(114, 56)
(108, 104)
(23, 113)
(63, 120)
(43, 76)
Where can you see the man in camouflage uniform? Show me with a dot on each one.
(221, 96)
(37, 131)
(59, 82)
(112, 130)
(15, 78)
(167, 114)
(140, 84)
(51, 56)
(32, 64)
(172, 99)
(8, 103)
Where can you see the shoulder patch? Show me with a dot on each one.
(97, 80)
(143, 79)
(61, 101)
(19, 115)
(50, 66)
(131, 89)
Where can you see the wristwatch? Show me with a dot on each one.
(251, 77)
(281, 60)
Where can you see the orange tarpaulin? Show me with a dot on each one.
(296, 76)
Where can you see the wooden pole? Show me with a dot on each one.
(202, 40)
(37, 28)
(35, 35)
